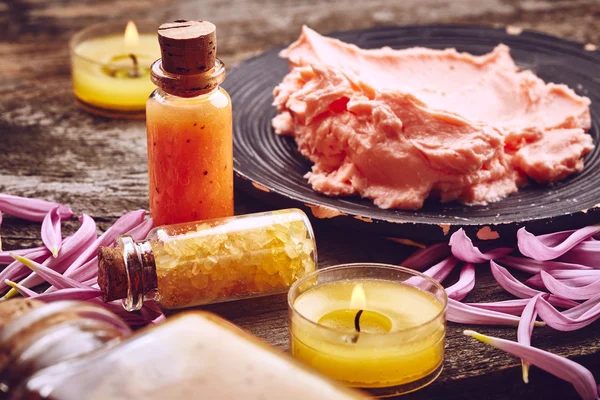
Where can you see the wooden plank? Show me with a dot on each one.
(51, 149)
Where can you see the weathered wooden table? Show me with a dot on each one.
(51, 149)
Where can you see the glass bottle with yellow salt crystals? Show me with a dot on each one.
(212, 261)
(189, 126)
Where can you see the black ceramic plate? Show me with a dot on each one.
(271, 167)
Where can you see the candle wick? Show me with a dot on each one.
(357, 320)
(135, 72)
(357, 326)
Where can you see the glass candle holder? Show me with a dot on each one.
(110, 67)
(377, 327)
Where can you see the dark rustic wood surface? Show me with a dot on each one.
(51, 149)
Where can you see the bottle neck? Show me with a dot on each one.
(51, 334)
(188, 85)
(140, 270)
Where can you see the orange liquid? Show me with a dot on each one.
(190, 157)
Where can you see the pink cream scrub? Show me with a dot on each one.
(398, 126)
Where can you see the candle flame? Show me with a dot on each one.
(132, 38)
(358, 301)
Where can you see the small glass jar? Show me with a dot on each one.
(47, 334)
(212, 261)
(189, 128)
(373, 326)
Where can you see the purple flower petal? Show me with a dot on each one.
(583, 316)
(0, 226)
(570, 292)
(25, 292)
(575, 278)
(6, 259)
(462, 248)
(52, 277)
(583, 308)
(534, 266)
(561, 367)
(441, 270)
(569, 274)
(31, 209)
(466, 314)
(72, 247)
(545, 247)
(466, 283)
(536, 282)
(525, 331)
(513, 307)
(80, 294)
(141, 231)
(518, 289)
(423, 258)
(586, 253)
(51, 233)
(122, 225)
(16, 270)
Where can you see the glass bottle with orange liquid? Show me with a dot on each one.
(189, 125)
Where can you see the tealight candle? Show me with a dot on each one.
(110, 65)
(371, 326)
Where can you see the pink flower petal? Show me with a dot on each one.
(582, 316)
(570, 292)
(71, 250)
(25, 292)
(539, 249)
(518, 289)
(525, 331)
(586, 253)
(536, 282)
(122, 225)
(52, 277)
(462, 248)
(441, 270)
(569, 274)
(6, 259)
(141, 231)
(423, 258)
(51, 233)
(466, 314)
(16, 270)
(561, 367)
(535, 266)
(466, 283)
(80, 294)
(583, 308)
(31, 209)
(0, 226)
(513, 307)
(574, 278)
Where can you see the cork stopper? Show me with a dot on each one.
(188, 47)
(12, 309)
(112, 273)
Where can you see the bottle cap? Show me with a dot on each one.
(188, 47)
(112, 273)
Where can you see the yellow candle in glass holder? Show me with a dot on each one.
(370, 333)
(111, 71)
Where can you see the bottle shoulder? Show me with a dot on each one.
(218, 98)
